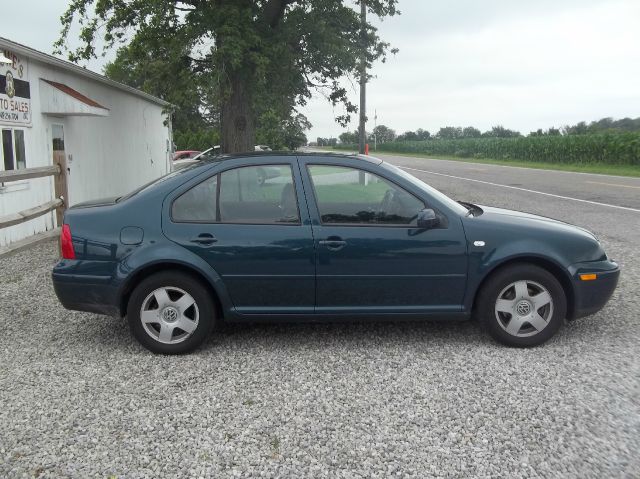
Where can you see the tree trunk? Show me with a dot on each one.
(238, 129)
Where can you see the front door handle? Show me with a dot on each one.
(204, 239)
(333, 243)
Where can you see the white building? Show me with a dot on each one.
(115, 138)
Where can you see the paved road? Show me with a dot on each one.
(611, 190)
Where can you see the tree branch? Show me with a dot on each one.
(274, 10)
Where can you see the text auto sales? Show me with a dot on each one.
(14, 110)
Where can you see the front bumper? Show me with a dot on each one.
(591, 296)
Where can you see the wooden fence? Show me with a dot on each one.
(59, 171)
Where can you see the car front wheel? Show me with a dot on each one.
(522, 305)
(170, 313)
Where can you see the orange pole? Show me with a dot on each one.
(366, 148)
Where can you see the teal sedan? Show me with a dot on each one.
(321, 237)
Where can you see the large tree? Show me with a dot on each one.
(255, 51)
(384, 134)
(165, 69)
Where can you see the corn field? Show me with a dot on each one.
(609, 149)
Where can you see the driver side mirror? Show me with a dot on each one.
(427, 219)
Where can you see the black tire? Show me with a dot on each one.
(206, 312)
(497, 322)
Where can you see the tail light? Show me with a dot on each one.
(66, 245)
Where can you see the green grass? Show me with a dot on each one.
(275, 447)
(620, 170)
(350, 193)
(268, 192)
(328, 170)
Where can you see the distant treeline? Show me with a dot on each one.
(383, 134)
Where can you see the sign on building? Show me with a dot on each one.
(15, 93)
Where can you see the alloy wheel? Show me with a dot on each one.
(524, 308)
(169, 315)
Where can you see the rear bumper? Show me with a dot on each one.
(591, 296)
(92, 293)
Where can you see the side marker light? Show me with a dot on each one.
(588, 277)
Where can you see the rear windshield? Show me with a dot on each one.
(152, 183)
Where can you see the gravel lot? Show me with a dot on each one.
(79, 398)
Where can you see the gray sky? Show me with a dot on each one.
(525, 64)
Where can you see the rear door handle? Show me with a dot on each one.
(333, 243)
(204, 239)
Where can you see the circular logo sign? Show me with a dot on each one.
(10, 88)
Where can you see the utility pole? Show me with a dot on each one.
(363, 77)
(375, 125)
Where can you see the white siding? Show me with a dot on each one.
(110, 155)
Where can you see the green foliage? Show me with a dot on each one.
(408, 136)
(615, 143)
(281, 134)
(272, 53)
(164, 69)
(327, 142)
(471, 132)
(348, 137)
(200, 140)
(449, 133)
(500, 131)
(422, 134)
(612, 149)
(383, 134)
(605, 125)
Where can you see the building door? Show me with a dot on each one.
(60, 159)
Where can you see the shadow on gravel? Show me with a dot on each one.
(113, 333)
(377, 333)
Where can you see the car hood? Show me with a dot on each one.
(511, 216)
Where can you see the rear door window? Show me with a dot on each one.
(250, 195)
(198, 204)
(258, 195)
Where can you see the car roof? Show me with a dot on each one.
(271, 154)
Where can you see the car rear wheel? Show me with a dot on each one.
(522, 305)
(170, 313)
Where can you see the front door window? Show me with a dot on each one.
(351, 196)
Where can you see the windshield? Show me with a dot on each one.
(441, 197)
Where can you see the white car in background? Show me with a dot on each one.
(215, 151)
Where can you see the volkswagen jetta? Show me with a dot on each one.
(321, 237)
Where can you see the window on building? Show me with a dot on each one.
(21, 161)
(13, 149)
